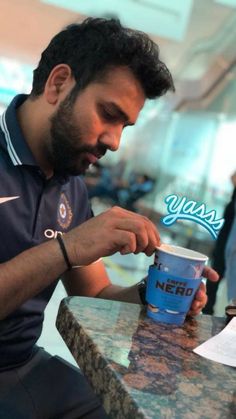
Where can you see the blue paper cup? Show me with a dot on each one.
(172, 283)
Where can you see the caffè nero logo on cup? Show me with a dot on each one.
(182, 208)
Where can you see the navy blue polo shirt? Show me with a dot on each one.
(32, 210)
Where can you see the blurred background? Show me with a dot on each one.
(184, 143)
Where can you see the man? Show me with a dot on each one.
(91, 82)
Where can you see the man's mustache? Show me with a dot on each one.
(99, 151)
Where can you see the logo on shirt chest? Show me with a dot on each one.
(64, 213)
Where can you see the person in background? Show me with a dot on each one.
(117, 190)
(91, 82)
(139, 186)
(218, 257)
(230, 255)
(104, 185)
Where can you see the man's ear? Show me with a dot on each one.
(58, 84)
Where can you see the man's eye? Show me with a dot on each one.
(108, 116)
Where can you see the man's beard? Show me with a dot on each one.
(66, 150)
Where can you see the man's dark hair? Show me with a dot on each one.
(96, 45)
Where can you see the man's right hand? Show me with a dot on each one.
(115, 230)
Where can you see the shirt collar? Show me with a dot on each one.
(17, 148)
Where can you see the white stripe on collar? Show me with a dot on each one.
(12, 152)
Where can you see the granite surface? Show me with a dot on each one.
(143, 369)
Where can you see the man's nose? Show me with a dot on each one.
(111, 139)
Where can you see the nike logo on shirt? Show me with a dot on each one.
(7, 198)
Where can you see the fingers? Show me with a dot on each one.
(210, 274)
(146, 238)
(127, 242)
(154, 236)
(142, 238)
(200, 298)
(115, 230)
(141, 221)
(154, 230)
(199, 301)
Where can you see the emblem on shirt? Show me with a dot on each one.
(64, 213)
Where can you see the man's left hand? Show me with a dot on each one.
(200, 298)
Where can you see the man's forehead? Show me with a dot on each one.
(123, 73)
(123, 81)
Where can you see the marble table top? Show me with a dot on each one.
(143, 369)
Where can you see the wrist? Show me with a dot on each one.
(74, 252)
(142, 286)
(63, 250)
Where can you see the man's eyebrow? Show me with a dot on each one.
(120, 113)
